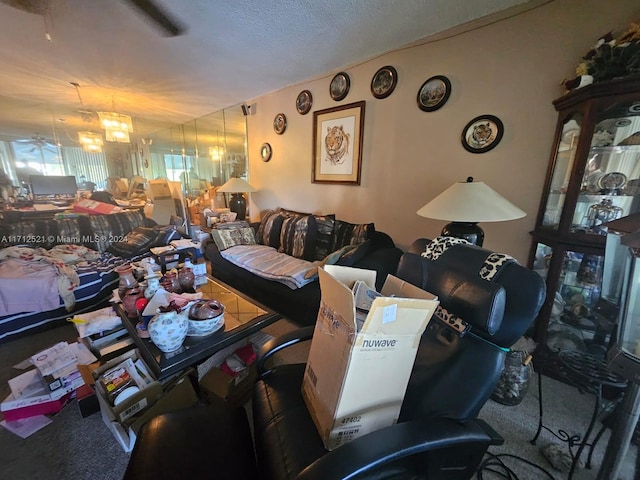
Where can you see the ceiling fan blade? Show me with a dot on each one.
(170, 26)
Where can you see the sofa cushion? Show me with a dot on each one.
(230, 238)
(269, 230)
(34, 233)
(351, 234)
(141, 239)
(298, 236)
(107, 229)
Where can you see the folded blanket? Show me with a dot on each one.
(267, 262)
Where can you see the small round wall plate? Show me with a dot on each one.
(434, 93)
(339, 87)
(384, 82)
(482, 134)
(304, 102)
(265, 152)
(280, 123)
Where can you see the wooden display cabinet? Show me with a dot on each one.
(593, 177)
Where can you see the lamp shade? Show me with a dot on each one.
(471, 202)
(236, 185)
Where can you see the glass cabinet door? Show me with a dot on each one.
(611, 181)
(562, 167)
(575, 322)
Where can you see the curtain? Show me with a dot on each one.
(91, 166)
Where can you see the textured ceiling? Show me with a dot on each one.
(232, 51)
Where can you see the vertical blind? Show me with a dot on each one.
(91, 166)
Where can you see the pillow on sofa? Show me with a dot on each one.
(269, 230)
(355, 253)
(230, 238)
(298, 236)
(351, 234)
(324, 231)
(141, 239)
(325, 225)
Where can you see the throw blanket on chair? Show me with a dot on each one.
(38, 266)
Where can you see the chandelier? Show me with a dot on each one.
(116, 126)
(91, 142)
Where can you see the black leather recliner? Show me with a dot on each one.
(437, 435)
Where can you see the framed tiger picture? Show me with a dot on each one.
(337, 144)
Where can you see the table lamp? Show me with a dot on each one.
(465, 204)
(237, 187)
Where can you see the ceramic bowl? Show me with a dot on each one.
(199, 328)
(205, 317)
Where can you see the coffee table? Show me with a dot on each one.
(242, 317)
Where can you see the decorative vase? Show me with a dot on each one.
(186, 279)
(513, 384)
(153, 284)
(126, 281)
(168, 330)
(130, 301)
(170, 283)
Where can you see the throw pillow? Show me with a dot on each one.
(324, 240)
(230, 238)
(269, 229)
(298, 236)
(351, 234)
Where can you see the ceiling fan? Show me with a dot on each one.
(170, 26)
(39, 143)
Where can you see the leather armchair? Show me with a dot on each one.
(438, 435)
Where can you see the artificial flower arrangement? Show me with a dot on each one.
(610, 58)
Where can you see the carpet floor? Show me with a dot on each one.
(72, 447)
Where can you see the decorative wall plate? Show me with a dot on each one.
(482, 134)
(280, 123)
(434, 93)
(384, 82)
(265, 152)
(304, 102)
(339, 87)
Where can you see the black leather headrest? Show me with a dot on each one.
(455, 277)
(471, 298)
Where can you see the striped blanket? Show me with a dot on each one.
(267, 262)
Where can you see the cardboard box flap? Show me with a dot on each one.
(399, 316)
(349, 275)
(338, 295)
(395, 287)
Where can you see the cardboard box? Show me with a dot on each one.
(180, 395)
(355, 381)
(13, 409)
(235, 390)
(125, 419)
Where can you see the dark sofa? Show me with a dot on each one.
(301, 305)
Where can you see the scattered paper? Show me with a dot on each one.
(26, 426)
(54, 358)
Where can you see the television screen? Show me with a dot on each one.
(53, 187)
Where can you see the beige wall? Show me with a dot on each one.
(512, 69)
